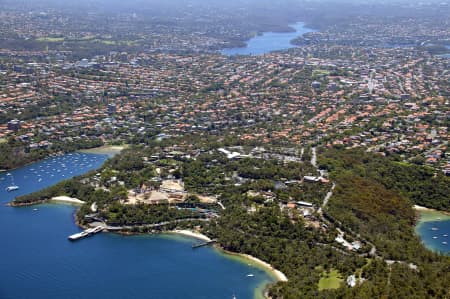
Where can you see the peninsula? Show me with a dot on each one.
(312, 155)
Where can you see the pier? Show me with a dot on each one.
(194, 246)
(86, 233)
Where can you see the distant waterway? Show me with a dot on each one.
(434, 230)
(37, 261)
(447, 55)
(48, 172)
(269, 41)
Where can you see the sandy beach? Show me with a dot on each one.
(427, 214)
(192, 234)
(420, 208)
(67, 199)
(278, 274)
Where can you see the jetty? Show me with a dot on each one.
(86, 233)
(194, 246)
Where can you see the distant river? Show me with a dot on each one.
(37, 261)
(434, 230)
(269, 41)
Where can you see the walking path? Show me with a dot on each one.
(373, 250)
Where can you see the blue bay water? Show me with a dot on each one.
(447, 55)
(37, 261)
(269, 41)
(435, 234)
(48, 172)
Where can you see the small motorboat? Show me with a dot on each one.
(12, 188)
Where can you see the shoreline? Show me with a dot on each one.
(422, 208)
(280, 276)
(290, 28)
(262, 290)
(14, 204)
(276, 274)
(425, 214)
(66, 199)
(113, 150)
(110, 150)
(189, 233)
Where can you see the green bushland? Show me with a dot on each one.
(51, 39)
(371, 199)
(420, 184)
(16, 154)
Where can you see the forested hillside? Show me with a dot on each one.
(420, 184)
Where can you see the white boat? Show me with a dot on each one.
(12, 188)
(434, 237)
(445, 243)
(78, 236)
(445, 235)
(434, 228)
(250, 275)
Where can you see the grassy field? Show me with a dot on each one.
(51, 39)
(330, 280)
(320, 73)
(92, 39)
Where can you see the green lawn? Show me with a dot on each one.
(51, 39)
(320, 73)
(330, 280)
(88, 39)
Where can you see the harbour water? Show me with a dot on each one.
(269, 41)
(48, 172)
(446, 55)
(37, 261)
(434, 230)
